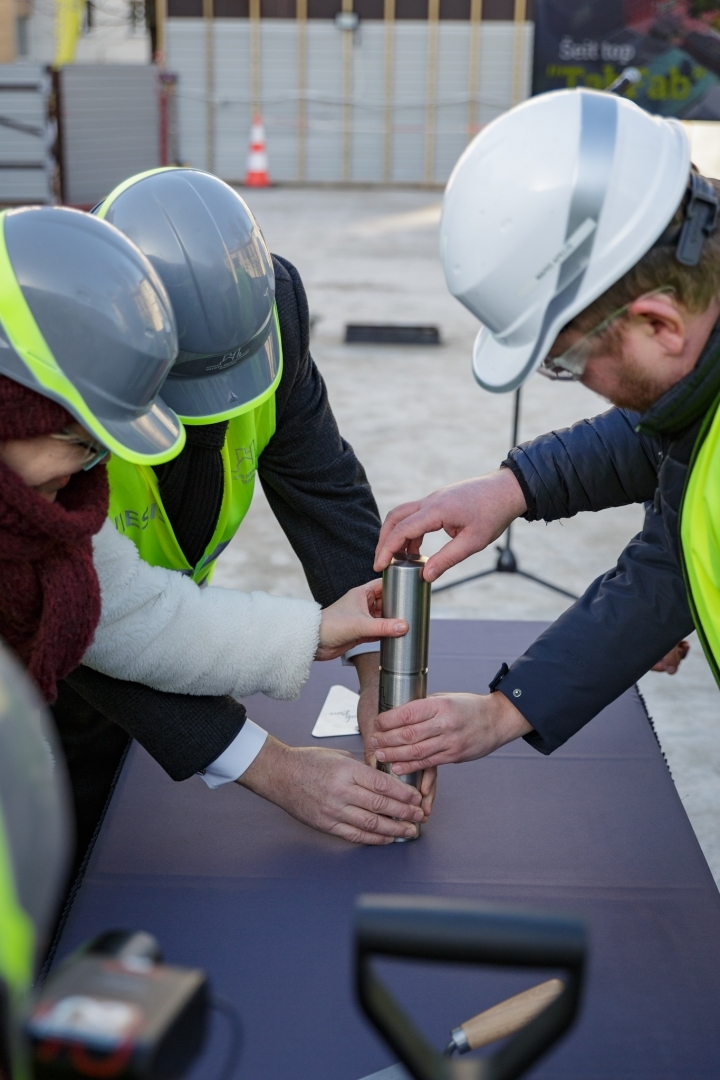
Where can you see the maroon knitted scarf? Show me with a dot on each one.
(49, 591)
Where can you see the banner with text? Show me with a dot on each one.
(675, 46)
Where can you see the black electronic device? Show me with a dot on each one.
(114, 1011)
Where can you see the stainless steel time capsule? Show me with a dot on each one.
(404, 660)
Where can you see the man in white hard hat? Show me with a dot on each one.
(576, 230)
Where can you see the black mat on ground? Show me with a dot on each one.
(230, 883)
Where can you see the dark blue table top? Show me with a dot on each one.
(230, 883)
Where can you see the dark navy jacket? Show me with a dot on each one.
(629, 618)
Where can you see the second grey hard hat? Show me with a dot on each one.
(207, 248)
(85, 321)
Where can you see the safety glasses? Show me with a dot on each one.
(570, 365)
(95, 451)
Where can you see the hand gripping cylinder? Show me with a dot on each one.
(404, 660)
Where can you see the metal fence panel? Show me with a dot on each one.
(324, 102)
(232, 97)
(110, 127)
(497, 65)
(451, 110)
(26, 135)
(368, 111)
(336, 124)
(408, 144)
(186, 44)
(279, 97)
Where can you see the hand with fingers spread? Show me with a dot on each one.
(353, 619)
(446, 728)
(473, 512)
(333, 792)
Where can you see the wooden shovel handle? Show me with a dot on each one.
(510, 1015)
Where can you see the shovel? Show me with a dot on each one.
(487, 1027)
(466, 932)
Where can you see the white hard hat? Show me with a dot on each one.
(549, 206)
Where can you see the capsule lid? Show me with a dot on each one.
(406, 558)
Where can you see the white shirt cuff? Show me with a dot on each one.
(238, 756)
(367, 646)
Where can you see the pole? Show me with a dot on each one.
(431, 88)
(518, 76)
(347, 94)
(516, 418)
(388, 90)
(7, 31)
(160, 29)
(255, 59)
(301, 20)
(508, 562)
(209, 22)
(474, 67)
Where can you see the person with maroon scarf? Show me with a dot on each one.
(49, 510)
(87, 336)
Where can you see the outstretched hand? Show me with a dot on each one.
(473, 512)
(354, 619)
(333, 792)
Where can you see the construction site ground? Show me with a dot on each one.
(418, 422)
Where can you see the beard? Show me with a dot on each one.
(629, 387)
(637, 390)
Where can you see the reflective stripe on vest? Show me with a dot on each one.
(700, 537)
(17, 947)
(136, 508)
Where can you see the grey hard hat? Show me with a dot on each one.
(85, 320)
(207, 248)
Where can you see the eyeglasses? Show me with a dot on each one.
(94, 450)
(570, 365)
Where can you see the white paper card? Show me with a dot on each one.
(338, 715)
(393, 1072)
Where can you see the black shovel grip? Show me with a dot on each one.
(428, 928)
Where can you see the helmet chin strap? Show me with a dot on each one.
(700, 218)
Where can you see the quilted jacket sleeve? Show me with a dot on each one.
(592, 465)
(627, 620)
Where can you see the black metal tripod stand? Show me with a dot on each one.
(507, 560)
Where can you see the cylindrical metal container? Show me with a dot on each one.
(404, 660)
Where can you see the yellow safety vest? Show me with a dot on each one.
(700, 537)
(136, 508)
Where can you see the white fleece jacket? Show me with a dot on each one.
(159, 628)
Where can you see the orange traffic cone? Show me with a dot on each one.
(257, 164)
